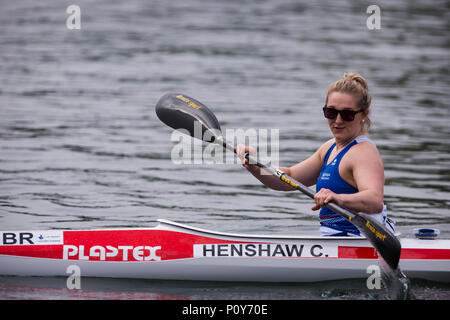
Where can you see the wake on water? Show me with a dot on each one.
(396, 282)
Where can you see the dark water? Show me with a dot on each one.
(81, 147)
(36, 288)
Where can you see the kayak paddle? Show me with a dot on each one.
(182, 113)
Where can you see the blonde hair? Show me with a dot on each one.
(354, 84)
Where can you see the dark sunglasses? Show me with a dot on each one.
(346, 115)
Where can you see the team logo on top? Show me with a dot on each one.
(325, 176)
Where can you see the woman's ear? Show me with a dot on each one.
(366, 113)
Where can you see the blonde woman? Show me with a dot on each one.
(347, 169)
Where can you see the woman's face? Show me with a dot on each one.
(344, 130)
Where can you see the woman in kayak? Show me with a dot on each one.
(347, 169)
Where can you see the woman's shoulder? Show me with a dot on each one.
(323, 149)
(364, 138)
(365, 156)
(364, 148)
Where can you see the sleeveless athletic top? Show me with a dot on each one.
(329, 178)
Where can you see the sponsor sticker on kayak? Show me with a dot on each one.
(112, 253)
(9, 238)
(281, 250)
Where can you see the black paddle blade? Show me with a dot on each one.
(182, 112)
(387, 244)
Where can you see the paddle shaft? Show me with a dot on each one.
(289, 180)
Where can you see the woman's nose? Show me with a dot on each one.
(339, 118)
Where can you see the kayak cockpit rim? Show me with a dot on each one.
(175, 225)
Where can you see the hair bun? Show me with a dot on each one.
(357, 78)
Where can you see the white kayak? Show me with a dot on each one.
(173, 251)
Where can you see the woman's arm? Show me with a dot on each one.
(305, 172)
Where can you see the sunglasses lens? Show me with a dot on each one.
(330, 113)
(348, 115)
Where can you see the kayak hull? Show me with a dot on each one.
(172, 251)
(208, 269)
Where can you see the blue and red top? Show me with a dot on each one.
(330, 178)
